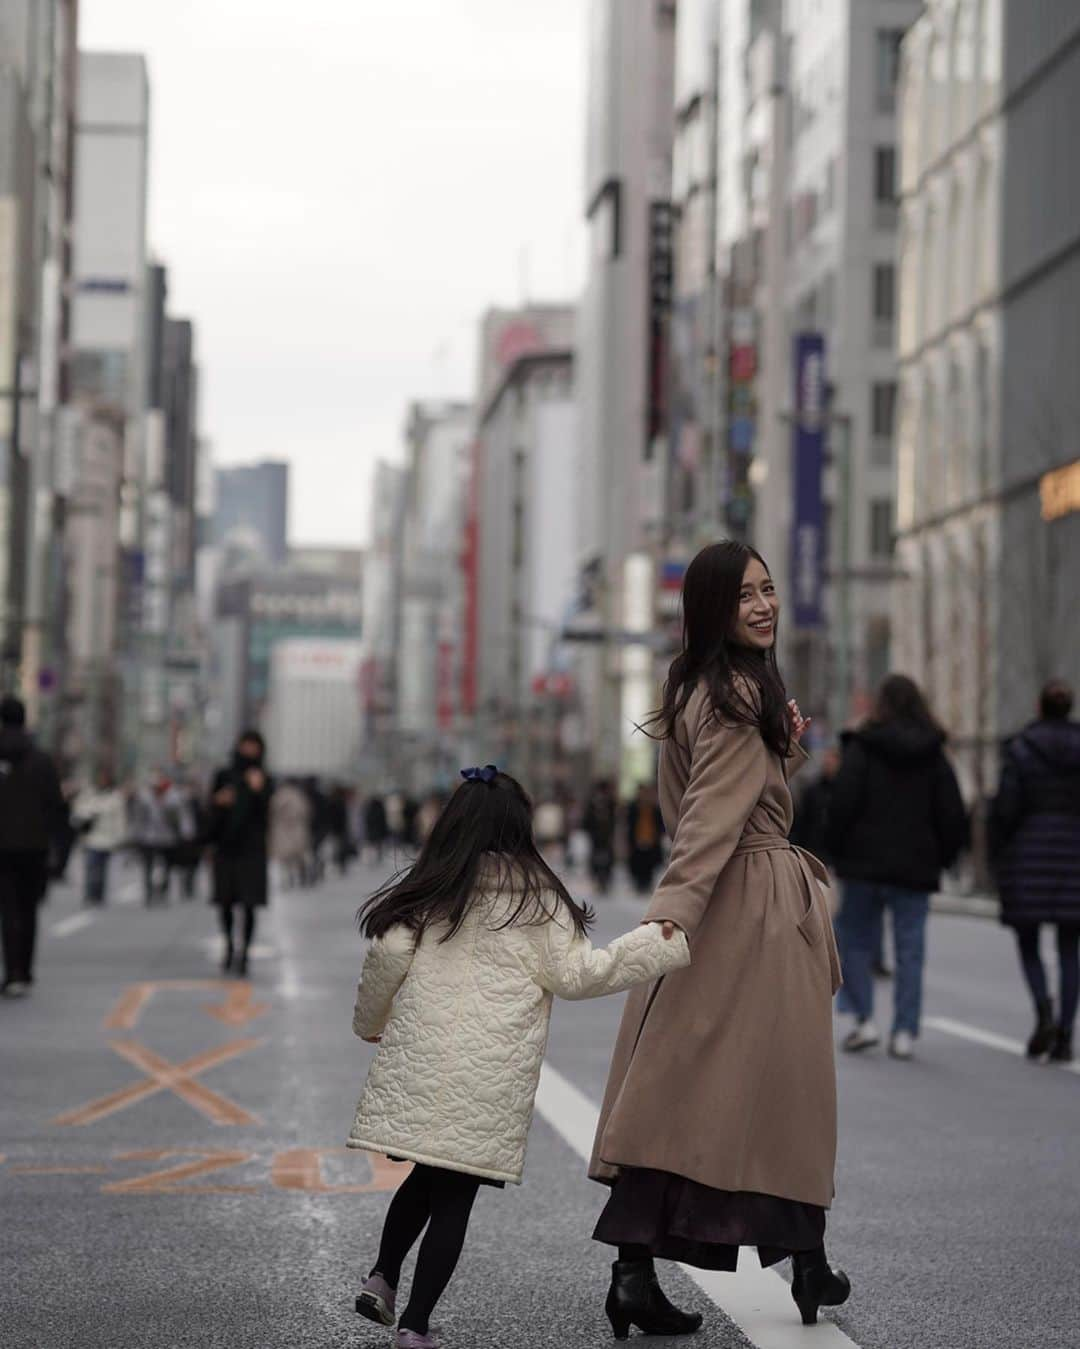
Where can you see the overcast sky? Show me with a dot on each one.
(339, 188)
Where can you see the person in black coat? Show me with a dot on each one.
(896, 821)
(644, 837)
(376, 826)
(239, 823)
(1035, 842)
(32, 814)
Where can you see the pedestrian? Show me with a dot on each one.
(718, 1126)
(896, 821)
(100, 815)
(1035, 840)
(159, 827)
(427, 816)
(467, 951)
(240, 816)
(192, 824)
(32, 809)
(290, 830)
(644, 835)
(320, 830)
(376, 826)
(550, 827)
(599, 821)
(339, 827)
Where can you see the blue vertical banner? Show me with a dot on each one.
(807, 470)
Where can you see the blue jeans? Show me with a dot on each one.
(97, 873)
(858, 928)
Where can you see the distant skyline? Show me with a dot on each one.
(338, 192)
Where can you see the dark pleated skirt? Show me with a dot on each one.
(681, 1219)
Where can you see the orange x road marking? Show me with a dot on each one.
(161, 1075)
(237, 1008)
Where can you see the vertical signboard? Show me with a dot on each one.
(661, 281)
(808, 459)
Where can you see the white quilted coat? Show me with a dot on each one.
(464, 1026)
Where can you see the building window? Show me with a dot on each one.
(884, 303)
(887, 67)
(882, 422)
(881, 528)
(885, 186)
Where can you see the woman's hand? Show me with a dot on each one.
(799, 723)
(371, 1039)
(666, 927)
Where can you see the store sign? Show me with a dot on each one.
(808, 459)
(1059, 491)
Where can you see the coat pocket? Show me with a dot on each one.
(810, 925)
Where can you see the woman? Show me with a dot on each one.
(100, 814)
(1035, 835)
(896, 821)
(240, 801)
(718, 1128)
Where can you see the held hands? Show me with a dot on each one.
(799, 723)
(371, 1039)
(666, 927)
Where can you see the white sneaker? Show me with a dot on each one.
(902, 1045)
(864, 1036)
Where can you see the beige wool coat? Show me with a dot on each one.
(723, 1072)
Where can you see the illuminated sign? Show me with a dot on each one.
(1059, 491)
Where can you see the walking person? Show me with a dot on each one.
(100, 814)
(644, 835)
(1035, 839)
(240, 816)
(599, 821)
(467, 951)
(32, 810)
(896, 821)
(159, 826)
(376, 827)
(290, 831)
(718, 1126)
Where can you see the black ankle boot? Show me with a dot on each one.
(1042, 1037)
(816, 1284)
(227, 958)
(636, 1299)
(1061, 1047)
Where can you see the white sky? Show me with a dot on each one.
(339, 189)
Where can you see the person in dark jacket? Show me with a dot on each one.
(32, 812)
(1035, 840)
(598, 822)
(239, 823)
(812, 808)
(896, 821)
(644, 834)
(376, 826)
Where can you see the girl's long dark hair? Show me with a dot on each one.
(482, 825)
(745, 686)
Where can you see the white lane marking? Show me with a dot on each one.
(73, 923)
(963, 1031)
(756, 1299)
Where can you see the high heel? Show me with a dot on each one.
(816, 1284)
(635, 1298)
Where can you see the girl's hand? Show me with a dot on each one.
(668, 928)
(799, 723)
(371, 1039)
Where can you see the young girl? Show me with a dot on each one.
(466, 953)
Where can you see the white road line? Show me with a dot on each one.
(963, 1031)
(756, 1299)
(73, 923)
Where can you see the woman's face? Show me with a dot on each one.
(759, 608)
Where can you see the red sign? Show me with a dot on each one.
(743, 362)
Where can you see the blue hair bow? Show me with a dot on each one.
(486, 774)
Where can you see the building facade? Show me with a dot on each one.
(988, 476)
(252, 509)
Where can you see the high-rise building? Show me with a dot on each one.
(382, 621)
(621, 371)
(988, 469)
(252, 510)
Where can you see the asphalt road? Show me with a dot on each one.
(173, 1173)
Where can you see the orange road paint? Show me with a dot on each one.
(238, 1008)
(301, 1169)
(164, 1076)
(166, 1181)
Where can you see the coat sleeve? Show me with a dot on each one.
(846, 798)
(571, 967)
(388, 961)
(950, 814)
(728, 769)
(1007, 809)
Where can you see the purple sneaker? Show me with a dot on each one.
(410, 1339)
(376, 1300)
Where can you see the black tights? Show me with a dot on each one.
(441, 1201)
(1068, 944)
(226, 914)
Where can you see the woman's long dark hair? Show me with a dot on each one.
(745, 687)
(900, 699)
(483, 824)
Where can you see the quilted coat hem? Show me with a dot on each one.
(426, 1159)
